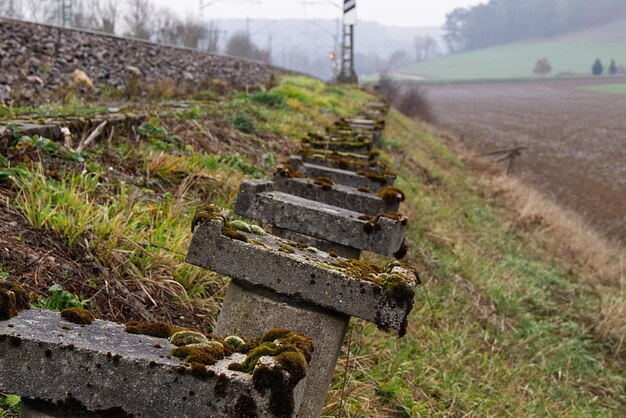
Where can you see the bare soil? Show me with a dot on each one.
(575, 140)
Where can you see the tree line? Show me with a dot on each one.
(139, 19)
(499, 22)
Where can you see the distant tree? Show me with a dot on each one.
(191, 32)
(597, 68)
(139, 18)
(106, 12)
(543, 67)
(399, 58)
(10, 8)
(166, 26)
(241, 45)
(426, 48)
(613, 68)
(36, 10)
(212, 37)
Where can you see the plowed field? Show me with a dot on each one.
(575, 139)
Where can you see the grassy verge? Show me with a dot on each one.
(504, 324)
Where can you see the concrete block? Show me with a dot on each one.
(345, 177)
(359, 147)
(107, 371)
(250, 311)
(334, 160)
(340, 196)
(257, 201)
(326, 246)
(384, 298)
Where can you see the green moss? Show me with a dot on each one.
(13, 298)
(295, 364)
(207, 213)
(78, 316)
(207, 354)
(287, 170)
(259, 243)
(375, 177)
(358, 269)
(188, 337)
(325, 183)
(391, 195)
(233, 233)
(257, 230)
(200, 371)
(234, 342)
(373, 154)
(153, 329)
(286, 249)
(240, 226)
(273, 343)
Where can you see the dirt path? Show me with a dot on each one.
(575, 139)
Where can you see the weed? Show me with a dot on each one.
(61, 299)
(9, 405)
(243, 123)
(270, 99)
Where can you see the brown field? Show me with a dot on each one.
(574, 139)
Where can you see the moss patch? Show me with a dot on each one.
(13, 298)
(152, 329)
(78, 316)
(208, 354)
(391, 195)
(324, 182)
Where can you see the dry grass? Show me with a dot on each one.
(564, 231)
(592, 258)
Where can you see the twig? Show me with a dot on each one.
(95, 134)
(504, 151)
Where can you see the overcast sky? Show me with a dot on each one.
(389, 12)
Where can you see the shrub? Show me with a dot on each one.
(269, 99)
(543, 67)
(410, 99)
(597, 68)
(243, 123)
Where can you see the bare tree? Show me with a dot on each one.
(426, 48)
(212, 36)
(139, 18)
(166, 26)
(106, 12)
(84, 15)
(191, 32)
(399, 58)
(36, 10)
(10, 8)
(241, 45)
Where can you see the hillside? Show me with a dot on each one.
(510, 320)
(571, 54)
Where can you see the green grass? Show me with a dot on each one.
(607, 88)
(517, 61)
(500, 327)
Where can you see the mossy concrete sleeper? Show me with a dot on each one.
(102, 367)
(316, 278)
(257, 200)
(340, 196)
(339, 176)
